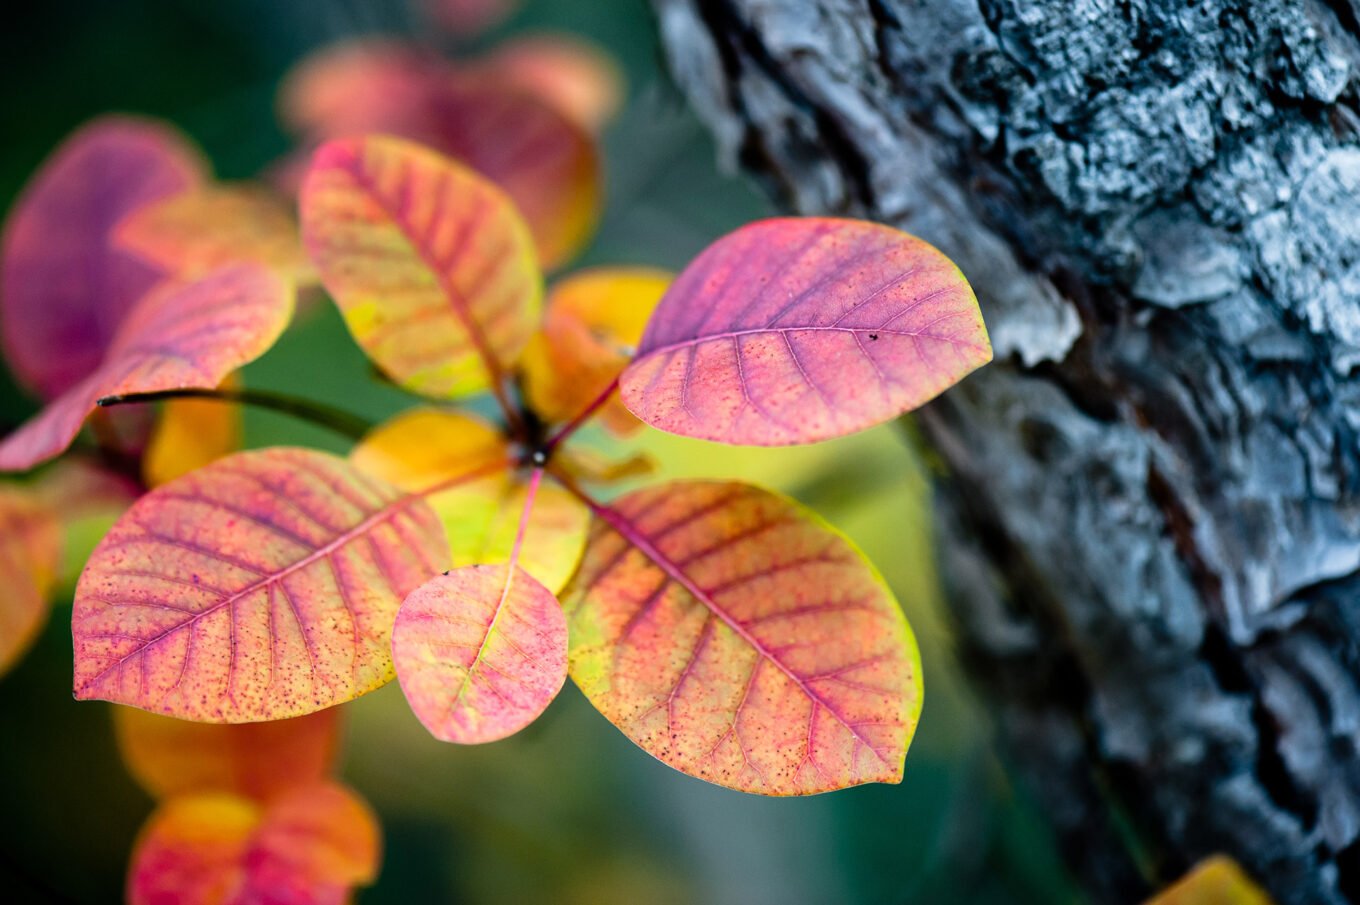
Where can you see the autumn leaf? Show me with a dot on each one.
(591, 328)
(310, 846)
(583, 464)
(793, 330)
(579, 80)
(197, 231)
(481, 518)
(480, 652)
(86, 498)
(64, 290)
(30, 554)
(177, 337)
(468, 18)
(541, 159)
(261, 586)
(736, 637)
(260, 761)
(189, 434)
(430, 265)
(1217, 880)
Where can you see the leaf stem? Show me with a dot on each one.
(575, 423)
(535, 479)
(341, 422)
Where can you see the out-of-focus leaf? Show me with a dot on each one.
(262, 586)
(30, 553)
(180, 336)
(418, 448)
(578, 79)
(207, 227)
(545, 162)
(469, 18)
(736, 637)
(310, 846)
(171, 757)
(793, 330)
(582, 463)
(78, 487)
(63, 289)
(1217, 880)
(430, 264)
(189, 434)
(480, 653)
(87, 499)
(591, 328)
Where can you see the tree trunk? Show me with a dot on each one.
(1151, 520)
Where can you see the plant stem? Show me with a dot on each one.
(334, 419)
(534, 480)
(575, 423)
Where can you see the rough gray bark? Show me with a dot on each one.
(1152, 521)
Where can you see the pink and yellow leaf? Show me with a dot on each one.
(430, 265)
(736, 637)
(180, 336)
(310, 846)
(793, 330)
(260, 587)
(545, 162)
(207, 227)
(480, 652)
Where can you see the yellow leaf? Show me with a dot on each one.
(189, 434)
(593, 323)
(419, 448)
(1217, 880)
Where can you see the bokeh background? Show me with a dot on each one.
(569, 810)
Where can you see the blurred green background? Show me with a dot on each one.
(569, 810)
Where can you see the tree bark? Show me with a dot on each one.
(1150, 524)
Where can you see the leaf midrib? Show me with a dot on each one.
(632, 535)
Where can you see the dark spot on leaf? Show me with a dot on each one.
(873, 336)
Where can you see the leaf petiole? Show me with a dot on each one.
(341, 422)
(576, 423)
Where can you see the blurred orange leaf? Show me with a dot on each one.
(1217, 880)
(256, 760)
(591, 328)
(430, 264)
(735, 636)
(261, 586)
(480, 652)
(310, 846)
(197, 231)
(578, 79)
(177, 337)
(30, 553)
(481, 518)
